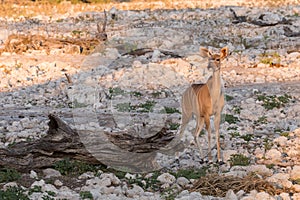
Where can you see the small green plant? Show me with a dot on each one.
(136, 94)
(228, 97)
(267, 144)
(70, 167)
(270, 58)
(169, 194)
(297, 181)
(86, 195)
(232, 128)
(125, 107)
(247, 137)
(170, 110)
(285, 134)
(35, 188)
(47, 197)
(51, 193)
(174, 126)
(76, 32)
(261, 120)
(231, 119)
(115, 92)
(270, 102)
(76, 104)
(8, 175)
(237, 109)
(190, 173)
(156, 94)
(270, 166)
(13, 193)
(234, 134)
(149, 183)
(239, 160)
(147, 106)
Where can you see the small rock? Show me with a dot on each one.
(155, 56)
(285, 196)
(58, 183)
(103, 182)
(182, 181)
(274, 155)
(135, 191)
(107, 190)
(296, 196)
(10, 184)
(33, 174)
(86, 175)
(230, 195)
(296, 187)
(51, 173)
(261, 170)
(240, 193)
(130, 176)
(295, 173)
(282, 141)
(227, 154)
(40, 183)
(118, 191)
(281, 178)
(49, 187)
(183, 193)
(165, 186)
(114, 180)
(264, 195)
(259, 153)
(166, 178)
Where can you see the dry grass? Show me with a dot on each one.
(15, 9)
(218, 185)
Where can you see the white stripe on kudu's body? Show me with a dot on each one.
(205, 100)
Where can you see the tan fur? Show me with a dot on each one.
(205, 100)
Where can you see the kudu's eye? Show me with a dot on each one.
(218, 59)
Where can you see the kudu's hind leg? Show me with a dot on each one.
(208, 128)
(200, 123)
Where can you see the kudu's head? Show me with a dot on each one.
(214, 60)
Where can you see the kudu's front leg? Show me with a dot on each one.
(217, 121)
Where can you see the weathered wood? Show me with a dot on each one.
(63, 142)
(60, 142)
(289, 33)
(258, 22)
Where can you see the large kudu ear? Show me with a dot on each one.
(223, 52)
(204, 52)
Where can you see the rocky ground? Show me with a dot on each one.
(260, 126)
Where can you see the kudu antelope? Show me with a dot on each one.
(205, 100)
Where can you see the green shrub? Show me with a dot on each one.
(231, 119)
(170, 110)
(239, 160)
(270, 102)
(86, 195)
(8, 175)
(13, 193)
(70, 167)
(190, 173)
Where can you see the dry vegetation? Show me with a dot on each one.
(29, 8)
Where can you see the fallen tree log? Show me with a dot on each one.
(63, 142)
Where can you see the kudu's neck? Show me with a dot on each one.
(214, 84)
